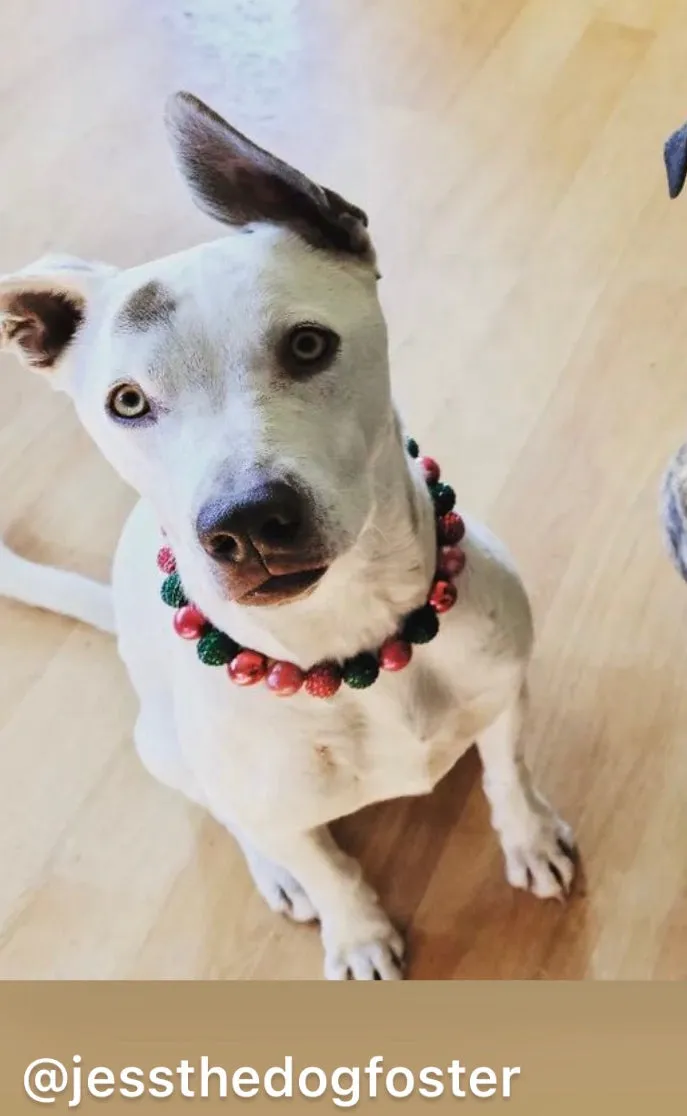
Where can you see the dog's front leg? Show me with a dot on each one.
(281, 891)
(537, 845)
(359, 941)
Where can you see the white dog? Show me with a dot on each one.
(242, 388)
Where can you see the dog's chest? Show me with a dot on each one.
(270, 762)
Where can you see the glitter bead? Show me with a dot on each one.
(420, 626)
(444, 498)
(450, 562)
(412, 447)
(360, 671)
(172, 592)
(323, 680)
(450, 528)
(166, 562)
(216, 649)
(248, 668)
(431, 470)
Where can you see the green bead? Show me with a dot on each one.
(444, 497)
(412, 447)
(420, 626)
(361, 671)
(172, 592)
(216, 649)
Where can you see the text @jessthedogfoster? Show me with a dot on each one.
(73, 1085)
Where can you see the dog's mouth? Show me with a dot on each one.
(284, 587)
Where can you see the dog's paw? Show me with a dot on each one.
(282, 893)
(540, 853)
(372, 950)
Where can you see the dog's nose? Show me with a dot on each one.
(266, 518)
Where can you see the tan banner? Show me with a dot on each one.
(180, 1048)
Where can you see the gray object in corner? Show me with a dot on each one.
(675, 158)
(674, 490)
(674, 510)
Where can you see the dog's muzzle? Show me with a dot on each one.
(262, 537)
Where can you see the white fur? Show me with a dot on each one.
(55, 590)
(275, 772)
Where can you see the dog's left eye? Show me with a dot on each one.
(310, 347)
(127, 401)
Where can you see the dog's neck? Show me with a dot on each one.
(363, 596)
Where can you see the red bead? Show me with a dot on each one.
(395, 654)
(431, 469)
(443, 596)
(285, 679)
(248, 668)
(451, 528)
(323, 680)
(450, 562)
(189, 622)
(166, 560)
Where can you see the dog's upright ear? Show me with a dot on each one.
(43, 306)
(675, 156)
(238, 183)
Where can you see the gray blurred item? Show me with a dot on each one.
(674, 510)
(674, 489)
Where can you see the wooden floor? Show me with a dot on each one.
(509, 153)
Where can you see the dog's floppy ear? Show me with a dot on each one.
(43, 306)
(675, 155)
(238, 183)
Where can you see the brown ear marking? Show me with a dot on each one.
(41, 323)
(237, 182)
(150, 305)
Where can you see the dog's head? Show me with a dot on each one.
(241, 386)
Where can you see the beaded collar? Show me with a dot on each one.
(246, 667)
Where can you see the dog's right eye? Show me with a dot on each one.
(308, 348)
(128, 402)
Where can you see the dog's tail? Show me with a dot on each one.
(55, 590)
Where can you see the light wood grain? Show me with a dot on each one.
(535, 279)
